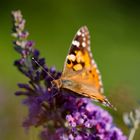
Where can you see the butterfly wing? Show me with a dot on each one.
(81, 69)
(79, 56)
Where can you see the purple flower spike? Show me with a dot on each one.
(60, 115)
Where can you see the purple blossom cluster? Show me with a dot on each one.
(85, 121)
(60, 114)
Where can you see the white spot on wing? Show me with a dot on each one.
(84, 44)
(100, 77)
(71, 57)
(83, 34)
(93, 62)
(88, 42)
(84, 39)
(100, 83)
(78, 33)
(97, 69)
(90, 54)
(76, 43)
(89, 49)
(95, 65)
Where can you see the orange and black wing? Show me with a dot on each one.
(81, 69)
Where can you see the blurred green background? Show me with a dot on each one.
(115, 41)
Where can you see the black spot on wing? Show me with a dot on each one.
(73, 50)
(68, 61)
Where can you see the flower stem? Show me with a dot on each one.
(133, 130)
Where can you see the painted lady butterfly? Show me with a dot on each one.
(80, 74)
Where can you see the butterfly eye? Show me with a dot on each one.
(56, 83)
(53, 83)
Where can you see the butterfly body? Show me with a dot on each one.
(80, 73)
(78, 87)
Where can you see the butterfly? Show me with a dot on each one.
(80, 73)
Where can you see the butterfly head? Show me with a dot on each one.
(57, 83)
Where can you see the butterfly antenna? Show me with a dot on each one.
(45, 72)
(42, 67)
